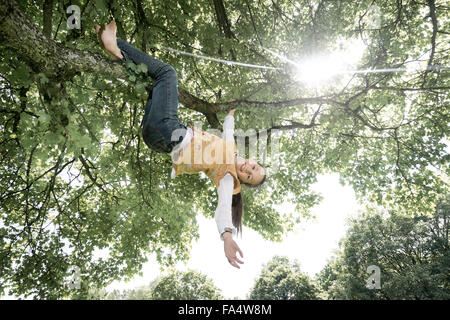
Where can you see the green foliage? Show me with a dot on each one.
(281, 279)
(412, 253)
(189, 285)
(177, 285)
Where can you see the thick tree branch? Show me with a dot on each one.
(225, 106)
(44, 55)
(61, 63)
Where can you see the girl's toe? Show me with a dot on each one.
(111, 25)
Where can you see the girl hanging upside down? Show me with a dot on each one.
(192, 150)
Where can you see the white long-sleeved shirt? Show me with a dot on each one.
(222, 214)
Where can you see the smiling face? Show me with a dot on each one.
(249, 171)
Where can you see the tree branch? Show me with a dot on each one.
(47, 20)
(224, 24)
(225, 106)
(432, 7)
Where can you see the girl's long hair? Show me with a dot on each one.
(237, 212)
(237, 207)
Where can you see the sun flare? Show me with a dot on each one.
(320, 68)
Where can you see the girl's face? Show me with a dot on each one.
(249, 171)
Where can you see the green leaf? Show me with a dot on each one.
(140, 88)
(22, 75)
(42, 78)
(142, 68)
(100, 4)
(43, 116)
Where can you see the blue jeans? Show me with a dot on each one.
(160, 121)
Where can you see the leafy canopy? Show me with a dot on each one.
(77, 181)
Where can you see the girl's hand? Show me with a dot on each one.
(231, 247)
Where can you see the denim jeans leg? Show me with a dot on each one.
(129, 52)
(161, 115)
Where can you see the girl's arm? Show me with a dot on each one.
(223, 211)
(225, 190)
(228, 126)
(224, 220)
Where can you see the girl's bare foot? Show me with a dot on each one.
(107, 38)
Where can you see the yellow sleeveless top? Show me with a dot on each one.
(210, 154)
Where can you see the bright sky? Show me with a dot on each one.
(311, 245)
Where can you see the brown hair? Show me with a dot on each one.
(237, 207)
